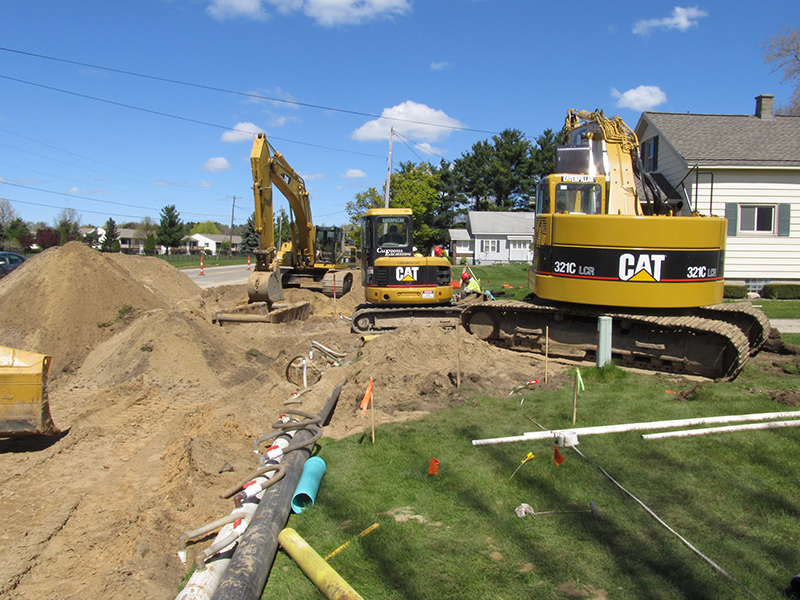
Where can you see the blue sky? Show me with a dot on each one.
(79, 130)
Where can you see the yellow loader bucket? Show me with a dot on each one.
(23, 393)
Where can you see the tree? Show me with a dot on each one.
(150, 245)
(111, 238)
(7, 215)
(783, 52)
(47, 237)
(205, 227)
(416, 186)
(91, 238)
(282, 228)
(497, 175)
(67, 223)
(170, 231)
(250, 239)
(372, 198)
(17, 232)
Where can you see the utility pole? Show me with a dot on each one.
(389, 174)
(230, 239)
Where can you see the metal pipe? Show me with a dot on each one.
(321, 574)
(247, 573)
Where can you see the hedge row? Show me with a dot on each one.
(735, 292)
(781, 291)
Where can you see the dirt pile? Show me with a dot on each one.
(67, 300)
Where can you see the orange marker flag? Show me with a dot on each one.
(367, 397)
(557, 457)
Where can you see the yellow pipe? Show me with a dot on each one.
(329, 582)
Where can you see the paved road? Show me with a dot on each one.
(214, 276)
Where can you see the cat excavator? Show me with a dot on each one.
(609, 241)
(400, 285)
(316, 258)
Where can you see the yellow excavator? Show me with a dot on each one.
(608, 241)
(316, 258)
(400, 285)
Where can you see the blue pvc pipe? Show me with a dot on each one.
(308, 486)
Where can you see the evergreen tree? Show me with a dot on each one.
(250, 239)
(150, 245)
(170, 230)
(112, 235)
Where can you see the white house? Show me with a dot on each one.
(494, 237)
(743, 167)
(212, 241)
(130, 240)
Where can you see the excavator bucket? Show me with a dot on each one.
(24, 408)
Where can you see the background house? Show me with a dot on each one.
(200, 242)
(742, 167)
(494, 237)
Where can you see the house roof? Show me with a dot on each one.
(729, 140)
(501, 222)
(459, 234)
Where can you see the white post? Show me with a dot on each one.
(603, 340)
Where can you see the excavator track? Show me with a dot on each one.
(374, 318)
(694, 342)
(337, 283)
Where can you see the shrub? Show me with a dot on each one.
(781, 291)
(735, 291)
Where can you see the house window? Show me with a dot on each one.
(489, 246)
(757, 218)
(650, 155)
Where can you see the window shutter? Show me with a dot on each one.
(655, 154)
(732, 214)
(784, 218)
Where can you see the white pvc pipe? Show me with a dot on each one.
(747, 427)
(543, 435)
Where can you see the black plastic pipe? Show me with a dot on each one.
(247, 573)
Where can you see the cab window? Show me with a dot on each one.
(392, 232)
(583, 198)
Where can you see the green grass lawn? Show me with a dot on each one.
(455, 535)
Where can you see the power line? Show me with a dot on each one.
(177, 117)
(76, 196)
(245, 94)
(94, 212)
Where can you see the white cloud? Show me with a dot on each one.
(417, 121)
(96, 191)
(216, 165)
(439, 66)
(325, 12)
(276, 96)
(242, 132)
(343, 12)
(229, 9)
(354, 174)
(681, 19)
(643, 97)
(312, 176)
